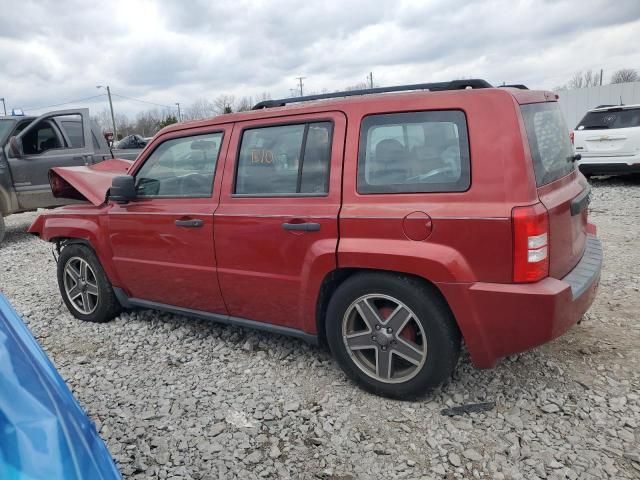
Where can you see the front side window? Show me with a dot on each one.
(414, 152)
(285, 160)
(40, 139)
(181, 167)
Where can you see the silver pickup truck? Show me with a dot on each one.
(33, 145)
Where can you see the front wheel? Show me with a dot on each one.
(392, 334)
(84, 286)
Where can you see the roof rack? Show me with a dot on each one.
(516, 85)
(432, 87)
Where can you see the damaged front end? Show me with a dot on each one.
(90, 183)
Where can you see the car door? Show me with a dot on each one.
(162, 241)
(44, 145)
(277, 224)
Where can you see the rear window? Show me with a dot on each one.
(548, 141)
(72, 125)
(414, 152)
(613, 118)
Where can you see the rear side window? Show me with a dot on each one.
(414, 152)
(548, 141)
(612, 118)
(73, 129)
(285, 160)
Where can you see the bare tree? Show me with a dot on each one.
(577, 81)
(358, 86)
(625, 75)
(590, 79)
(224, 103)
(201, 108)
(244, 104)
(148, 123)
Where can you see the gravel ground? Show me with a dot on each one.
(180, 398)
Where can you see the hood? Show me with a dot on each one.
(87, 183)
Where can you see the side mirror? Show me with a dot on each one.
(123, 189)
(15, 147)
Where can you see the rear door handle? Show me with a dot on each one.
(304, 227)
(197, 223)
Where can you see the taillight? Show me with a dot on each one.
(571, 135)
(530, 243)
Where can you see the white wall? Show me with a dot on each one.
(575, 103)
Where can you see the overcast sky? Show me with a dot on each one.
(179, 51)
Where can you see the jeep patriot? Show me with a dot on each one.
(391, 224)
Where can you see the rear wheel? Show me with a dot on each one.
(84, 286)
(392, 334)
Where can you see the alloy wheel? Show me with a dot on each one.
(81, 285)
(384, 338)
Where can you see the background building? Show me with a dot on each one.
(576, 102)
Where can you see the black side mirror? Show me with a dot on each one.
(123, 189)
(15, 147)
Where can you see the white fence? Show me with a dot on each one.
(575, 103)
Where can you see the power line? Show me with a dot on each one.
(143, 101)
(65, 103)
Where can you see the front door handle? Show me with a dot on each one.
(197, 223)
(304, 227)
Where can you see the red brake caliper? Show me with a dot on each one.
(409, 332)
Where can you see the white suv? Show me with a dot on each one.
(608, 140)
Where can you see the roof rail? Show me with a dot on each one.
(433, 87)
(516, 85)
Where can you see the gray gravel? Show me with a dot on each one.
(180, 398)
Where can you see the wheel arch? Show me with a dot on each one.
(337, 277)
(91, 242)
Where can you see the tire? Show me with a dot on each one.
(84, 286)
(3, 228)
(394, 299)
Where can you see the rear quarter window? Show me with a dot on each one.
(414, 152)
(549, 141)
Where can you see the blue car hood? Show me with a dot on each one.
(44, 433)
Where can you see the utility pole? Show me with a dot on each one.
(371, 80)
(113, 118)
(4, 106)
(301, 84)
(601, 77)
(179, 116)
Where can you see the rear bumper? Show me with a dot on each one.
(610, 165)
(502, 319)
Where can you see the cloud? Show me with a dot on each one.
(168, 51)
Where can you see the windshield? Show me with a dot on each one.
(5, 128)
(548, 141)
(612, 118)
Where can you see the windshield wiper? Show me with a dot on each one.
(596, 127)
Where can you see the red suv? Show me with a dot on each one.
(390, 226)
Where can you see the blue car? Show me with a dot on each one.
(44, 433)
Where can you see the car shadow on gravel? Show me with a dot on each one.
(615, 181)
